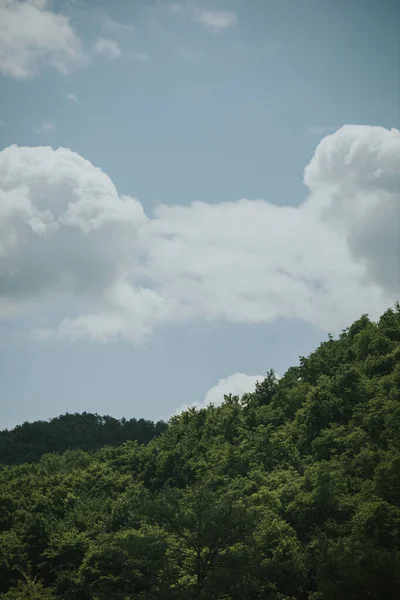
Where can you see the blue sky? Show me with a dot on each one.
(182, 102)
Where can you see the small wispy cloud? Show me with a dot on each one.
(216, 20)
(45, 127)
(189, 53)
(73, 98)
(140, 57)
(178, 8)
(1, 123)
(114, 26)
(108, 48)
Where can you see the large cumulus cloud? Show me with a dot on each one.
(68, 239)
(354, 180)
(69, 243)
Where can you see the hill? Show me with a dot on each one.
(28, 442)
(291, 492)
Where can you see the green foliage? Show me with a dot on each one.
(30, 441)
(29, 590)
(292, 492)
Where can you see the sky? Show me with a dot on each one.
(191, 193)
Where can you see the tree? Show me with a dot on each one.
(208, 525)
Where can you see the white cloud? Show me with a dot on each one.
(216, 20)
(178, 8)
(140, 57)
(32, 36)
(70, 243)
(354, 179)
(237, 384)
(68, 240)
(74, 99)
(107, 48)
(45, 127)
(114, 26)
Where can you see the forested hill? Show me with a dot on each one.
(28, 442)
(289, 493)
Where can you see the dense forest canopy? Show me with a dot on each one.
(27, 442)
(291, 492)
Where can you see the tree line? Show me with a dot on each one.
(26, 443)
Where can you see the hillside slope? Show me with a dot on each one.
(291, 492)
